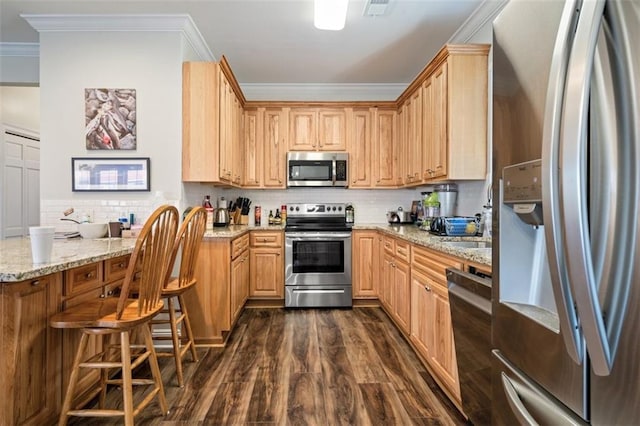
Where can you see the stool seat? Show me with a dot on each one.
(102, 313)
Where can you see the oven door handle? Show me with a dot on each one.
(317, 236)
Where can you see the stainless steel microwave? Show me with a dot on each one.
(317, 169)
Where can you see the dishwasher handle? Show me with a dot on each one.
(470, 288)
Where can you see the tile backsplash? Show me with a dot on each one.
(370, 206)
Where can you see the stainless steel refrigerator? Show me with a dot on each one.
(566, 172)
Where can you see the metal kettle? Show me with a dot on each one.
(221, 217)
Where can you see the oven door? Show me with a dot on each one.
(317, 258)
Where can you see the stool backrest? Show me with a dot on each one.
(188, 242)
(153, 253)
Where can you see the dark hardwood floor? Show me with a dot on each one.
(302, 367)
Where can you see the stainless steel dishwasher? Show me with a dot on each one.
(470, 305)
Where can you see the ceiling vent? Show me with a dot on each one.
(375, 7)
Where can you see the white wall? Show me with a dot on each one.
(20, 107)
(151, 63)
(19, 70)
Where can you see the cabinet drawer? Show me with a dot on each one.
(239, 245)
(82, 278)
(389, 244)
(432, 262)
(266, 239)
(403, 250)
(116, 268)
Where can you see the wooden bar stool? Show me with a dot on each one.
(153, 253)
(188, 244)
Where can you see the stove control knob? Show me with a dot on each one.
(339, 208)
(291, 208)
(297, 208)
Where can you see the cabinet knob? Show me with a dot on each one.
(35, 283)
(89, 275)
(121, 265)
(426, 287)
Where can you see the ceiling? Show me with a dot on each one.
(275, 42)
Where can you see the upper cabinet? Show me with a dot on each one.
(454, 111)
(275, 147)
(211, 125)
(359, 146)
(385, 149)
(317, 129)
(253, 148)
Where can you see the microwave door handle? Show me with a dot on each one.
(334, 171)
(553, 220)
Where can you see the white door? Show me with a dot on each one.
(20, 181)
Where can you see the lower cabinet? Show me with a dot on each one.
(267, 265)
(431, 327)
(221, 289)
(30, 357)
(396, 290)
(365, 267)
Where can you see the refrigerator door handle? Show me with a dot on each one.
(574, 187)
(553, 221)
(518, 408)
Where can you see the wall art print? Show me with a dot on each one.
(110, 118)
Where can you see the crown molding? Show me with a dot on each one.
(181, 23)
(321, 92)
(486, 12)
(31, 50)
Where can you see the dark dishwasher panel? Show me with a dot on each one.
(470, 305)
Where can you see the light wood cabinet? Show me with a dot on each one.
(267, 264)
(455, 114)
(317, 129)
(385, 149)
(365, 266)
(431, 327)
(396, 291)
(275, 147)
(253, 148)
(412, 143)
(214, 303)
(360, 147)
(211, 125)
(30, 364)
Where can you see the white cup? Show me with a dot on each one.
(41, 243)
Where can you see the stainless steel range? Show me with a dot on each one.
(317, 256)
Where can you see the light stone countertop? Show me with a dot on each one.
(417, 236)
(16, 264)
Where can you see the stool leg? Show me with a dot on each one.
(127, 385)
(104, 374)
(187, 327)
(155, 370)
(73, 380)
(176, 341)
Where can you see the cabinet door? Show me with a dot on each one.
(239, 284)
(442, 352)
(332, 131)
(360, 149)
(365, 264)
(388, 276)
(413, 142)
(253, 144)
(238, 153)
(275, 147)
(267, 272)
(421, 309)
(302, 135)
(402, 295)
(70, 341)
(440, 135)
(30, 364)
(428, 129)
(226, 131)
(385, 161)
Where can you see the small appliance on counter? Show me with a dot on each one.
(448, 198)
(399, 217)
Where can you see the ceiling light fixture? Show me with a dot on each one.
(330, 14)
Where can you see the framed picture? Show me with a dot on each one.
(110, 118)
(110, 174)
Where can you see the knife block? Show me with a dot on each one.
(244, 219)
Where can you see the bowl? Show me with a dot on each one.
(92, 230)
